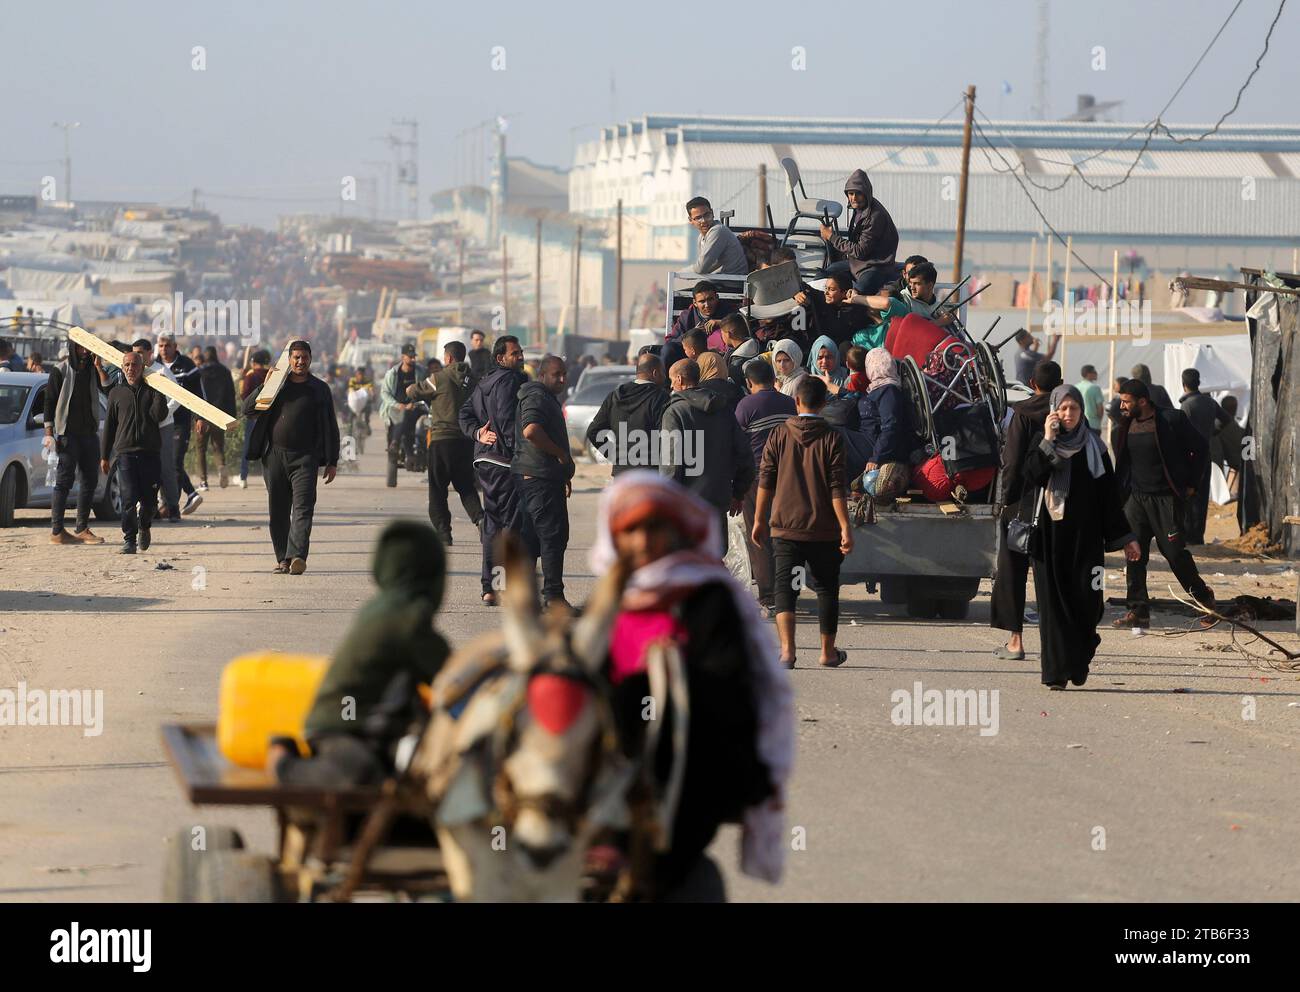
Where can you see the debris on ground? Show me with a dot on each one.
(1255, 541)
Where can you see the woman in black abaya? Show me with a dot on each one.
(1081, 518)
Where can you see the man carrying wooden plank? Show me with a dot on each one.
(297, 434)
(132, 435)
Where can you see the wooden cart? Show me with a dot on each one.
(334, 844)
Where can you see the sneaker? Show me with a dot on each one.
(128, 548)
(281, 568)
(223, 478)
(192, 502)
(86, 537)
(243, 483)
(63, 537)
(202, 486)
(298, 566)
(1132, 619)
(1031, 616)
(145, 538)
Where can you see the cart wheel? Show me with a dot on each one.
(914, 386)
(181, 872)
(237, 876)
(993, 381)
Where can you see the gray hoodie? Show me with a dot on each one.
(704, 449)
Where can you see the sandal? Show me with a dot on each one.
(489, 599)
(1006, 654)
(841, 656)
(787, 663)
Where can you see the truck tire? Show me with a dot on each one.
(392, 470)
(181, 870)
(953, 609)
(921, 607)
(237, 876)
(893, 591)
(8, 496)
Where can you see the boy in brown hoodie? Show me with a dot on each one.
(802, 481)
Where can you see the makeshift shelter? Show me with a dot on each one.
(1271, 483)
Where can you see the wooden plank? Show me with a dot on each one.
(172, 390)
(276, 376)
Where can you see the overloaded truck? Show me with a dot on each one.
(929, 548)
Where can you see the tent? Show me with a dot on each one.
(1224, 362)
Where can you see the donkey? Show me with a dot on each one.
(520, 759)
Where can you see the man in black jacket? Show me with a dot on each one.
(478, 356)
(72, 431)
(703, 447)
(1206, 416)
(1158, 460)
(218, 388)
(869, 247)
(1007, 605)
(488, 417)
(133, 436)
(294, 437)
(187, 374)
(625, 428)
(544, 468)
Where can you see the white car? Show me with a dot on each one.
(23, 463)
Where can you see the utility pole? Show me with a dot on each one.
(541, 328)
(965, 178)
(505, 284)
(618, 278)
(67, 157)
(577, 276)
(408, 158)
(460, 281)
(762, 194)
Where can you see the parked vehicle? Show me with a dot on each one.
(585, 400)
(24, 462)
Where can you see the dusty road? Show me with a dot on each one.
(1149, 784)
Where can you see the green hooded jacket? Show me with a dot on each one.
(392, 633)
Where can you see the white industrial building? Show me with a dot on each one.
(1231, 199)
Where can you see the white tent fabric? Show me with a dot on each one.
(1225, 365)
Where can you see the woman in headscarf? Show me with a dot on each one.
(787, 358)
(886, 417)
(714, 378)
(740, 731)
(1080, 519)
(824, 362)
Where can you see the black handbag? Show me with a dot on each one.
(1021, 535)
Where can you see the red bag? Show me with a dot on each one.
(937, 485)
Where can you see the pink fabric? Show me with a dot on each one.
(634, 632)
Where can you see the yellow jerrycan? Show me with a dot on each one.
(262, 696)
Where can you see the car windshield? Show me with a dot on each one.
(594, 393)
(12, 399)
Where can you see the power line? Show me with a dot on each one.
(902, 148)
(1034, 203)
(1154, 127)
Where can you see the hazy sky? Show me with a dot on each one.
(294, 93)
